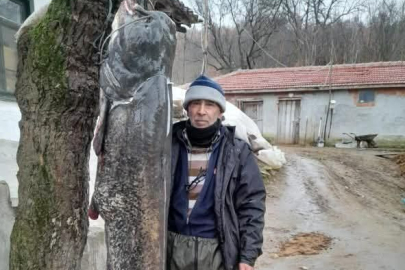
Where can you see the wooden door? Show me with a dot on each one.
(254, 109)
(288, 124)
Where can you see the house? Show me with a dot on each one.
(291, 105)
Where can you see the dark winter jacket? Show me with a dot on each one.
(239, 199)
(202, 221)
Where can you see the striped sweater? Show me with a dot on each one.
(197, 163)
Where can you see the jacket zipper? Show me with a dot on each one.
(196, 254)
(222, 236)
(224, 160)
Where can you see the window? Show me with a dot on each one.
(11, 10)
(12, 14)
(366, 96)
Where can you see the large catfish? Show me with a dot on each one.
(133, 138)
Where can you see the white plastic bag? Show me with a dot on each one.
(246, 128)
(178, 97)
(272, 157)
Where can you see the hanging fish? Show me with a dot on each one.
(133, 138)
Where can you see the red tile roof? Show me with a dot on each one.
(369, 75)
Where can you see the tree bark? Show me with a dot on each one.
(57, 92)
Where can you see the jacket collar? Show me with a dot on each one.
(228, 131)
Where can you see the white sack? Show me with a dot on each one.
(246, 128)
(273, 157)
(178, 97)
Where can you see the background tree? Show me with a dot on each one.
(238, 30)
(385, 39)
(312, 22)
(57, 91)
(293, 33)
(188, 58)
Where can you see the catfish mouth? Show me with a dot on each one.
(141, 12)
(134, 9)
(138, 12)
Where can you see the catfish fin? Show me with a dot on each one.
(101, 124)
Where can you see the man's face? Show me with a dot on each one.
(203, 113)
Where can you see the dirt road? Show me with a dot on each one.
(351, 197)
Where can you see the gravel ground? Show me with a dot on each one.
(335, 209)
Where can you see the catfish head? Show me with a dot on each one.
(142, 45)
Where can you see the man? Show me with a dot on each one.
(217, 206)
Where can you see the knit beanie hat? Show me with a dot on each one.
(205, 88)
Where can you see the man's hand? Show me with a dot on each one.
(244, 266)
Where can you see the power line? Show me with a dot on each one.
(268, 54)
(204, 38)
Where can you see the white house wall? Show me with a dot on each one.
(9, 137)
(40, 3)
(386, 118)
(313, 107)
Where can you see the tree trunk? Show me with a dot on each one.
(57, 92)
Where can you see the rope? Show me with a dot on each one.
(100, 38)
(204, 39)
(268, 54)
(122, 26)
(184, 56)
(330, 93)
(110, 6)
(152, 5)
(328, 78)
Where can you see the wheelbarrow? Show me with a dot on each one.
(369, 139)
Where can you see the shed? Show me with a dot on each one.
(290, 105)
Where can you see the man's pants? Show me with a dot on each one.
(192, 253)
